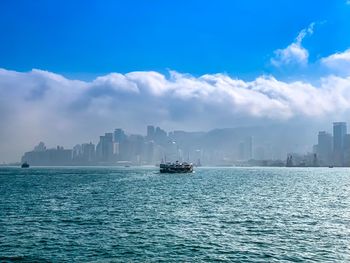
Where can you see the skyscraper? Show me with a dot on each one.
(40, 147)
(241, 151)
(346, 160)
(160, 135)
(339, 132)
(88, 151)
(324, 148)
(105, 148)
(150, 132)
(119, 135)
(249, 148)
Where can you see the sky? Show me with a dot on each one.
(72, 70)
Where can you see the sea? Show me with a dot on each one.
(108, 214)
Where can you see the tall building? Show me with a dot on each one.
(249, 148)
(259, 153)
(40, 147)
(119, 135)
(135, 148)
(109, 146)
(105, 148)
(149, 152)
(150, 132)
(160, 135)
(245, 149)
(171, 151)
(88, 152)
(324, 148)
(77, 152)
(346, 160)
(241, 151)
(339, 132)
(55, 156)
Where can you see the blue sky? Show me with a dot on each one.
(88, 38)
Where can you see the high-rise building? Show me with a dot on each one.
(119, 135)
(105, 148)
(109, 146)
(339, 131)
(150, 132)
(160, 135)
(171, 151)
(245, 149)
(88, 152)
(259, 153)
(149, 152)
(120, 145)
(55, 156)
(249, 148)
(135, 148)
(77, 152)
(40, 147)
(324, 148)
(346, 160)
(241, 151)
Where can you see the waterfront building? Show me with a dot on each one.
(40, 147)
(324, 148)
(346, 161)
(150, 132)
(119, 135)
(241, 151)
(160, 136)
(77, 152)
(105, 148)
(88, 152)
(55, 156)
(339, 132)
(248, 148)
(149, 152)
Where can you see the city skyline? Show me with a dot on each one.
(220, 147)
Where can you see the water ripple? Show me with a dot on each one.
(118, 215)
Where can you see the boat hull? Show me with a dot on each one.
(176, 168)
(173, 171)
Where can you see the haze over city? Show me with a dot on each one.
(180, 66)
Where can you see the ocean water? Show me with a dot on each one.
(138, 215)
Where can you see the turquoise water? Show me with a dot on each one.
(215, 214)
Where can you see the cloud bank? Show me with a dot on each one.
(40, 105)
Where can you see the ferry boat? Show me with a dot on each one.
(25, 165)
(176, 167)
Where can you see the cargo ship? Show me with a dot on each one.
(176, 167)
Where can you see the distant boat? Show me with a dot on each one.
(331, 166)
(176, 167)
(25, 165)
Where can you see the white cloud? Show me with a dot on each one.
(295, 53)
(40, 105)
(338, 62)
